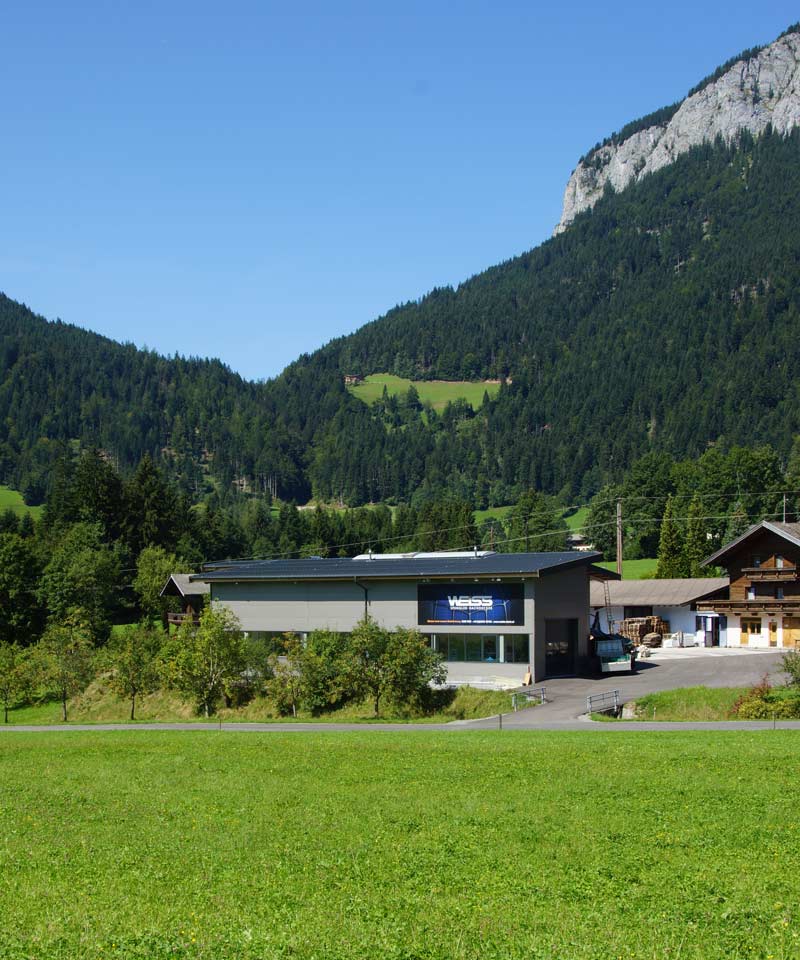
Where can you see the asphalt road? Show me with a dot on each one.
(565, 709)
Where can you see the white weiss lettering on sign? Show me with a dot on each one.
(480, 604)
(470, 603)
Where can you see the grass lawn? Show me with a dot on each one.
(438, 392)
(634, 569)
(423, 846)
(12, 500)
(689, 703)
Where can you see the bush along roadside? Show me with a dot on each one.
(765, 702)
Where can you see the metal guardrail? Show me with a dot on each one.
(603, 701)
(534, 695)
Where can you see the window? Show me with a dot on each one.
(778, 562)
(751, 593)
(478, 648)
(629, 613)
(517, 648)
(756, 562)
(750, 628)
(779, 593)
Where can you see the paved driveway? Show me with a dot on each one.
(668, 669)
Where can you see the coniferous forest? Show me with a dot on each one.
(663, 320)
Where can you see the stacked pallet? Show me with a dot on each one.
(636, 628)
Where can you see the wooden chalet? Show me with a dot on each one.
(762, 603)
(192, 596)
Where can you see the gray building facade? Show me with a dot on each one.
(489, 615)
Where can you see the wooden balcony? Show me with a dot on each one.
(770, 574)
(761, 605)
(178, 619)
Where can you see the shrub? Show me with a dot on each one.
(761, 702)
(791, 666)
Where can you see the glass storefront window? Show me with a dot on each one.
(517, 648)
(481, 648)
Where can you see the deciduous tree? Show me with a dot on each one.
(132, 658)
(15, 679)
(392, 664)
(203, 658)
(64, 657)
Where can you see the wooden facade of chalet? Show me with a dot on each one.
(192, 598)
(763, 599)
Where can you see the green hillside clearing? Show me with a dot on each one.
(492, 513)
(12, 500)
(436, 392)
(577, 521)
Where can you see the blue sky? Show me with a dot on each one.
(249, 180)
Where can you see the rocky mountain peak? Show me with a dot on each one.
(754, 92)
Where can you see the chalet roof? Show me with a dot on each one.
(789, 531)
(656, 593)
(181, 585)
(441, 565)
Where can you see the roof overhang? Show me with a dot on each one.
(600, 573)
(760, 527)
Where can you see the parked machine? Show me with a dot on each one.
(613, 652)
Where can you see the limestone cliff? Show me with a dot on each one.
(753, 93)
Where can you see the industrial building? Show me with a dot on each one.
(489, 614)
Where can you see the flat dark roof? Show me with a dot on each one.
(495, 564)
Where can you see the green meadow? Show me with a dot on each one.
(12, 500)
(634, 569)
(437, 392)
(577, 521)
(411, 846)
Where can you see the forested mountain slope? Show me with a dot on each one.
(59, 383)
(665, 318)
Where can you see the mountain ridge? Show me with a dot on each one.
(760, 88)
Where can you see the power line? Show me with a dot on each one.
(584, 529)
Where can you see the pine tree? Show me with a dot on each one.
(671, 561)
(695, 547)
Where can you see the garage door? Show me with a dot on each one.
(791, 631)
(561, 647)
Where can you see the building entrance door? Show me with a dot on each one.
(791, 632)
(561, 647)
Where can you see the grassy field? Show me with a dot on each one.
(634, 569)
(97, 704)
(423, 846)
(689, 703)
(12, 500)
(438, 392)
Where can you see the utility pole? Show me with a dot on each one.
(619, 537)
